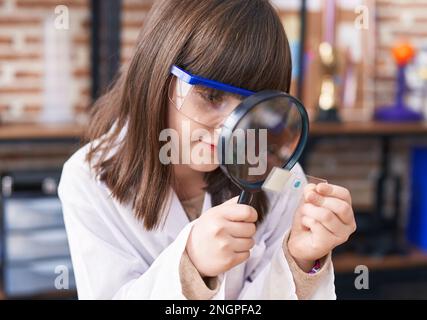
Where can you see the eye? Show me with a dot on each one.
(211, 96)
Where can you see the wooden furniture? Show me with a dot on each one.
(389, 277)
(347, 262)
(344, 263)
(372, 129)
(395, 270)
(14, 132)
(14, 262)
(385, 132)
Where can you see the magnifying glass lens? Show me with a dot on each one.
(267, 136)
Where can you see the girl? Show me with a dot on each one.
(142, 229)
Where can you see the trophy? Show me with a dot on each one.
(328, 91)
(399, 111)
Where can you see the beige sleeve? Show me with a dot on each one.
(305, 283)
(194, 287)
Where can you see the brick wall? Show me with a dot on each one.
(22, 61)
(133, 14)
(21, 48)
(397, 20)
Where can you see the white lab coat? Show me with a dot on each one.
(114, 257)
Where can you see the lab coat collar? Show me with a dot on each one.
(176, 218)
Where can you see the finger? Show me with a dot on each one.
(240, 213)
(241, 229)
(315, 226)
(334, 191)
(341, 208)
(309, 187)
(327, 218)
(320, 233)
(240, 257)
(242, 244)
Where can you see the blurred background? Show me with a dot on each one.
(360, 68)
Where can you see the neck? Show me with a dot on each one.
(188, 182)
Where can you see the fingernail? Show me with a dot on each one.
(310, 187)
(324, 188)
(311, 196)
(315, 198)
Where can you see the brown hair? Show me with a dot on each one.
(239, 42)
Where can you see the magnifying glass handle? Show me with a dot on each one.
(245, 197)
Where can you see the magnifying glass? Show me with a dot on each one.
(266, 130)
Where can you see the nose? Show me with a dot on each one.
(217, 130)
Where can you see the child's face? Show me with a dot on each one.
(198, 122)
(197, 146)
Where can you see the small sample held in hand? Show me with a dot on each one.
(281, 179)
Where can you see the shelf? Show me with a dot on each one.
(367, 129)
(40, 131)
(347, 262)
(44, 131)
(53, 295)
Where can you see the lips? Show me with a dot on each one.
(213, 146)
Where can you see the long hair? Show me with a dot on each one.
(239, 42)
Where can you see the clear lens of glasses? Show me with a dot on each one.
(207, 106)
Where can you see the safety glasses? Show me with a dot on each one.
(202, 100)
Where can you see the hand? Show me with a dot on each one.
(222, 237)
(324, 221)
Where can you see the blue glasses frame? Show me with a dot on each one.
(196, 80)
